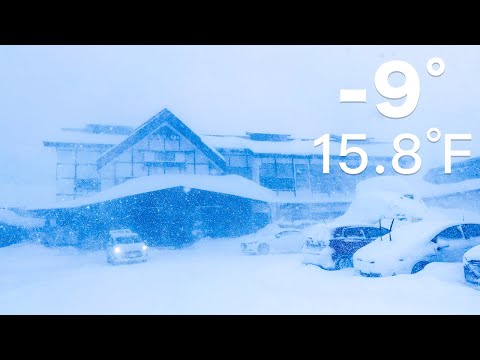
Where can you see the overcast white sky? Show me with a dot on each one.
(222, 89)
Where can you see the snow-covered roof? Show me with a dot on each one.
(155, 123)
(291, 147)
(11, 218)
(81, 137)
(427, 190)
(226, 184)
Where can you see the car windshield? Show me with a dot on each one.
(128, 239)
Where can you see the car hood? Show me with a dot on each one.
(388, 253)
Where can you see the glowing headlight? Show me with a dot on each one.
(144, 247)
(117, 250)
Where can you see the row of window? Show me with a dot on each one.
(66, 171)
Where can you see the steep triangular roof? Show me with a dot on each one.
(152, 125)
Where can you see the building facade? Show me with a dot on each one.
(98, 157)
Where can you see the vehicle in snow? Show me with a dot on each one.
(379, 205)
(125, 246)
(274, 238)
(332, 248)
(471, 266)
(409, 248)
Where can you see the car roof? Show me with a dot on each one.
(425, 229)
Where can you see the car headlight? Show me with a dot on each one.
(117, 250)
(144, 247)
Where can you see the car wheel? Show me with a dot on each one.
(343, 262)
(419, 266)
(263, 249)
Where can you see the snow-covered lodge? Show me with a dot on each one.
(167, 182)
(98, 157)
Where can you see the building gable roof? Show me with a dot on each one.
(157, 121)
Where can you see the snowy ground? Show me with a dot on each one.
(212, 277)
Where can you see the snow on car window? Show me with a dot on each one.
(452, 233)
(128, 240)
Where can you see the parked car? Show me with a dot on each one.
(125, 246)
(415, 245)
(274, 238)
(471, 266)
(332, 248)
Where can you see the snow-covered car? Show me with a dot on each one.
(287, 240)
(332, 249)
(409, 248)
(471, 266)
(125, 246)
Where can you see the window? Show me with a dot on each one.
(238, 161)
(126, 156)
(179, 157)
(65, 186)
(267, 170)
(87, 185)
(302, 176)
(66, 156)
(353, 233)
(202, 169)
(172, 144)
(87, 171)
(174, 168)
(374, 232)
(277, 176)
(87, 157)
(139, 170)
(123, 170)
(285, 170)
(149, 156)
(277, 184)
(190, 157)
(242, 171)
(65, 171)
(138, 156)
(338, 232)
(128, 240)
(471, 230)
(167, 156)
(156, 143)
(451, 233)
